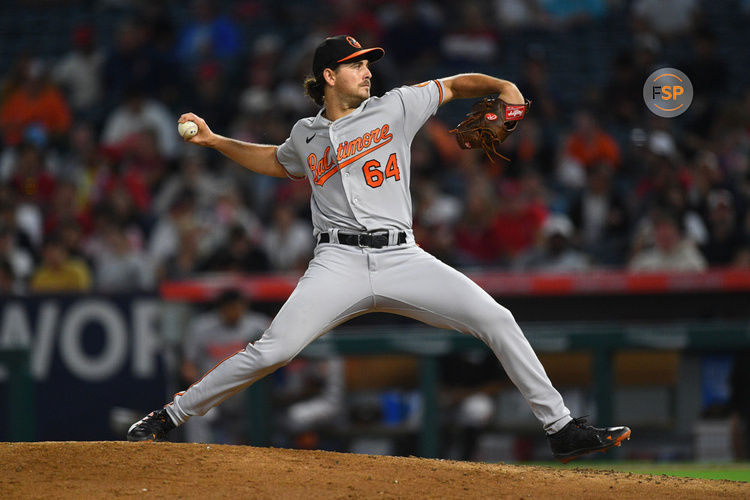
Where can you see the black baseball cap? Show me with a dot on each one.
(339, 49)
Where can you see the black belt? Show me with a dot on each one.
(371, 240)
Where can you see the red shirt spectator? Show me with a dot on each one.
(516, 231)
(517, 223)
(30, 180)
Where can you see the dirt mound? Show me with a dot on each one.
(115, 469)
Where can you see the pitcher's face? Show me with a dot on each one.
(352, 80)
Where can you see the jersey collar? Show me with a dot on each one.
(325, 122)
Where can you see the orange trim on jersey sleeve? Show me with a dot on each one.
(288, 173)
(440, 90)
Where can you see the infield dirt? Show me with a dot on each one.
(172, 470)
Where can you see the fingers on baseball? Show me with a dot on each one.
(190, 117)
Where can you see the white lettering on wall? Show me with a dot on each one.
(147, 343)
(44, 340)
(14, 329)
(62, 324)
(101, 365)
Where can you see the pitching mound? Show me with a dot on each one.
(115, 469)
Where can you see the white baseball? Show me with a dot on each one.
(187, 129)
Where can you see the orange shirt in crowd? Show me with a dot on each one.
(21, 109)
(603, 149)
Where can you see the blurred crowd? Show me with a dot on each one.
(97, 190)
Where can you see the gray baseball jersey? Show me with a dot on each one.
(358, 167)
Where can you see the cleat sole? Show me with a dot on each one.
(616, 442)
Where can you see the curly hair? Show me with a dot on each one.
(314, 89)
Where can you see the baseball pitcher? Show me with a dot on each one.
(355, 153)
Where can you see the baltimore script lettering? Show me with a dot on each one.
(347, 152)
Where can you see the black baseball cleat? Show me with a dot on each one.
(152, 427)
(578, 438)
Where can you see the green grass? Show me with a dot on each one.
(731, 471)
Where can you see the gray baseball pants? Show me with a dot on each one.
(342, 282)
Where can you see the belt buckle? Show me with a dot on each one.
(359, 240)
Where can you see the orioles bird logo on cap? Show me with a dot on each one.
(354, 43)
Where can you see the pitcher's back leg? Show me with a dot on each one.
(417, 285)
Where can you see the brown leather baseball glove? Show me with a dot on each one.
(490, 122)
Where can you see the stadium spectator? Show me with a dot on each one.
(473, 232)
(130, 63)
(706, 176)
(185, 264)
(671, 251)
(118, 266)
(192, 175)
(19, 260)
(240, 253)
(208, 94)
(208, 35)
(63, 208)
(58, 272)
(650, 15)
(471, 38)
(9, 219)
(288, 242)
(79, 73)
(435, 215)
(589, 144)
(227, 211)
(33, 182)
(36, 106)
(725, 237)
(32, 188)
(82, 161)
(519, 218)
(73, 238)
(601, 217)
(139, 114)
(674, 199)
(170, 228)
(434, 207)
(142, 159)
(518, 14)
(555, 253)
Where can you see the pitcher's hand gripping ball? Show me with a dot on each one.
(187, 129)
(490, 122)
